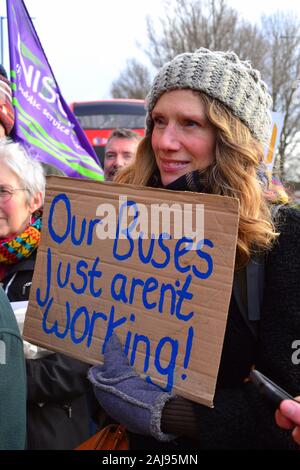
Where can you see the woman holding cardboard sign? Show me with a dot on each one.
(208, 118)
(57, 412)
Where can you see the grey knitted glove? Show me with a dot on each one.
(125, 396)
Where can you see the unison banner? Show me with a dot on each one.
(44, 121)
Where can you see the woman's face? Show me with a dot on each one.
(183, 140)
(14, 213)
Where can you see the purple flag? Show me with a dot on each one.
(44, 121)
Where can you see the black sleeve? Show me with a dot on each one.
(241, 418)
(56, 378)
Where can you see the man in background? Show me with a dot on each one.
(119, 151)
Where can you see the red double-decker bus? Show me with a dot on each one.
(99, 118)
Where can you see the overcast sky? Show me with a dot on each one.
(87, 42)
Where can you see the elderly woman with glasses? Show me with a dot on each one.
(57, 405)
(22, 187)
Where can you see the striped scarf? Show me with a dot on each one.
(18, 247)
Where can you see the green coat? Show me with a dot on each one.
(12, 380)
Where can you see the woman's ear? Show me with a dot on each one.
(36, 202)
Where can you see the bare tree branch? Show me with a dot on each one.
(282, 32)
(272, 47)
(134, 81)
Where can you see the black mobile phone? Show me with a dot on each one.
(269, 389)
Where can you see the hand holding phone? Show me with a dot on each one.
(269, 389)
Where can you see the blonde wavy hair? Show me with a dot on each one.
(233, 173)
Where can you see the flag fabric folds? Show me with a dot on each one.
(44, 122)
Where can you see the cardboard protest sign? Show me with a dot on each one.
(153, 266)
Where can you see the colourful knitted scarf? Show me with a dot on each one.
(18, 247)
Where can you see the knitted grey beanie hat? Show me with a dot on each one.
(221, 75)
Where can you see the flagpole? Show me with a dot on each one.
(2, 18)
(1, 38)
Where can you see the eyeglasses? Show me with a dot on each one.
(7, 193)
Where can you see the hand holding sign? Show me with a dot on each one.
(126, 396)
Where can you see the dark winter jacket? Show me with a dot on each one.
(57, 401)
(12, 380)
(241, 418)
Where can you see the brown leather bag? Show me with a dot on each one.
(112, 437)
